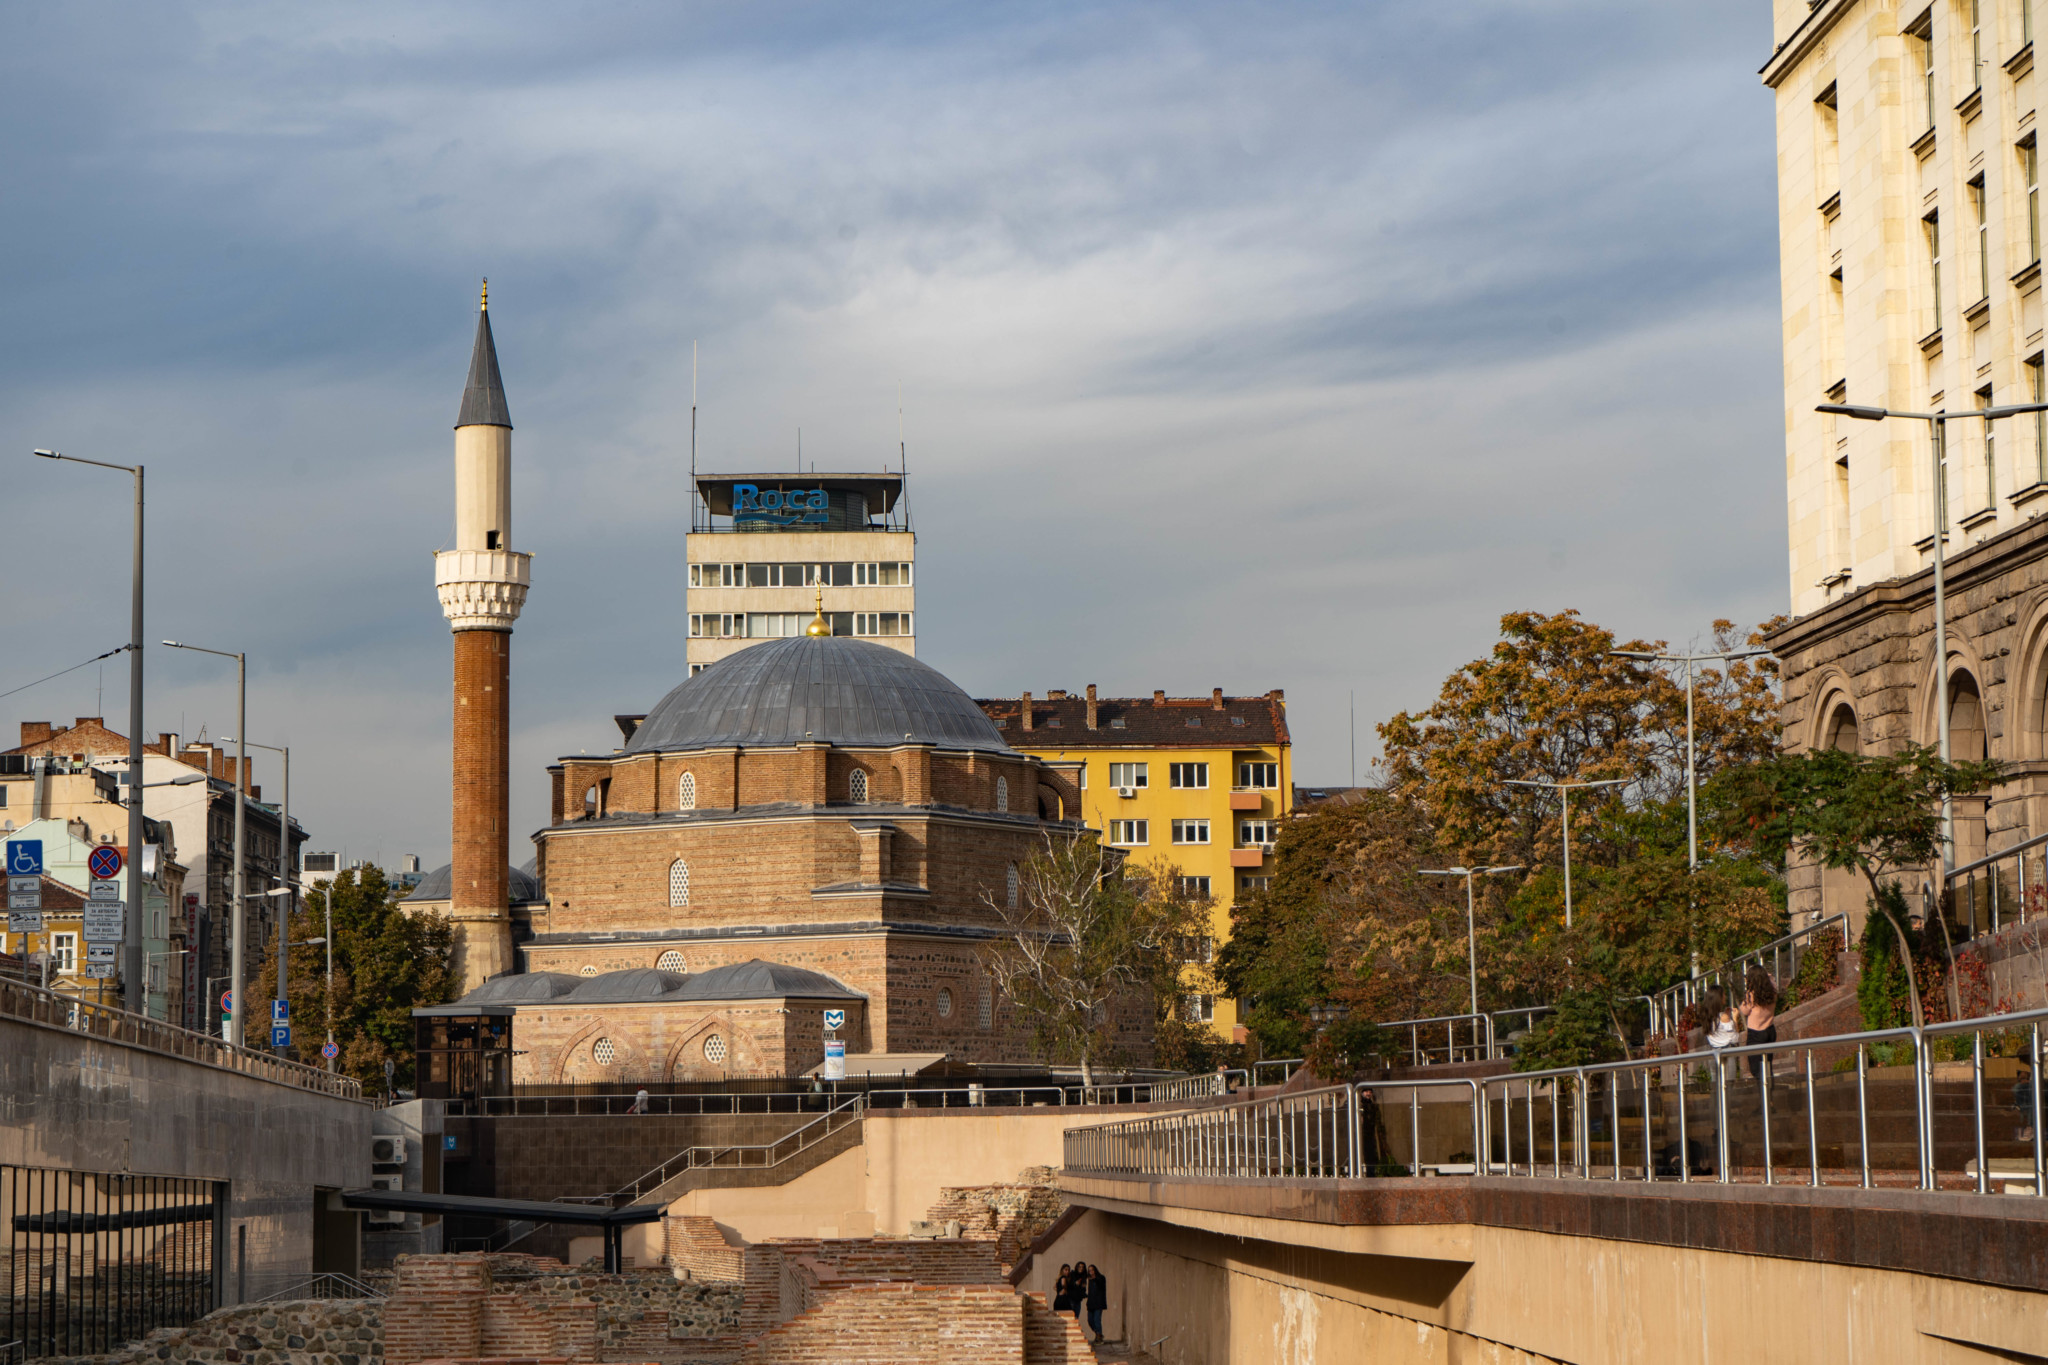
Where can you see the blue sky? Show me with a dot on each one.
(1240, 346)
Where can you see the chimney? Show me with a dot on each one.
(1024, 711)
(34, 732)
(1091, 706)
(1278, 694)
(1056, 694)
(1215, 699)
(1158, 696)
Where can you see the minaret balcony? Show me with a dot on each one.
(482, 589)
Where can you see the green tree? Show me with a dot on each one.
(1080, 936)
(386, 964)
(1875, 814)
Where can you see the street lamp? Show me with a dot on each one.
(236, 924)
(1471, 926)
(1937, 427)
(1565, 790)
(1692, 815)
(133, 997)
(286, 863)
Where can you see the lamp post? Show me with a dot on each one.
(1471, 926)
(132, 995)
(1692, 815)
(1565, 790)
(236, 915)
(1937, 427)
(286, 863)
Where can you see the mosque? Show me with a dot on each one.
(815, 823)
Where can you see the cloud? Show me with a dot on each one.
(1251, 346)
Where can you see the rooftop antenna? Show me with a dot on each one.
(1354, 736)
(799, 450)
(902, 456)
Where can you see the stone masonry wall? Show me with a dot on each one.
(304, 1332)
(902, 1324)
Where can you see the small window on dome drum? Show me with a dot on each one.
(686, 792)
(670, 961)
(1003, 794)
(679, 883)
(857, 787)
(1010, 884)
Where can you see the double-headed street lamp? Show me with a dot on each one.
(237, 915)
(1471, 924)
(287, 865)
(1937, 427)
(133, 996)
(1692, 814)
(1565, 790)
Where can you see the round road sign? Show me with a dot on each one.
(227, 1002)
(330, 1051)
(104, 862)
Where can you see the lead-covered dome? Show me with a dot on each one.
(832, 690)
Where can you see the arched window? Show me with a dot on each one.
(1010, 883)
(945, 1003)
(857, 787)
(714, 1050)
(1842, 732)
(590, 802)
(1002, 793)
(679, 883)
(670, 961)
(586, 970)
(686, 792)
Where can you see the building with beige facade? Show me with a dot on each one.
(766, 551)
(1910, 243)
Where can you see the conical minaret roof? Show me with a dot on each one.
(483, 397)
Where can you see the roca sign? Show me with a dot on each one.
(778, 506)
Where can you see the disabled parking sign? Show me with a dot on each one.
(24, 857)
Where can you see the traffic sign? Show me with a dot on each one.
(329, 1051)
(103, 971)
(24, 857)
(24, 921)
(104, 922)
(227, 1001)
(105, 889)
(280, 1011)
(835, 1020)
(281, 1036)
(101, 952)
(835, 1059)
(104, 861)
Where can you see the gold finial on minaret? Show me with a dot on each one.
(484, 302)
(819, 626)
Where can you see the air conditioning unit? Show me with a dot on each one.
(1127, 792)
(1266, 849)
(384, 1216)
(387, 1149)
(387, 1182)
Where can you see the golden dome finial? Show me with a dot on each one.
(484, 301)
(819, 626)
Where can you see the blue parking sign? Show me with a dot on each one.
(280, 1011)
(281, 1036)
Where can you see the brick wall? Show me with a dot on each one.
(480, 778)
(1052, 1338)
(902, 1324)
(1009, 1216)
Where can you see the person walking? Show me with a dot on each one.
(639, 1102)
(1098, 1299)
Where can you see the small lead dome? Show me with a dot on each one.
(828, 689)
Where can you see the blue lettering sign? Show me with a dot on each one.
(753, 505)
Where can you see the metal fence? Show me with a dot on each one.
(880, 1092)
(1780, 957)
(1990, 893)
(20, 1000)
(1423, 1050)
(1955, 1106)
(95, 1260)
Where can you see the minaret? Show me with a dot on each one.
(482, 583)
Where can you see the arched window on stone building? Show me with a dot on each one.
(686, 792)
(1010, 884)
(1002, 793)
(670, 961)
(590, 802)
(679, 883)
(1842, 732)
(857, 787)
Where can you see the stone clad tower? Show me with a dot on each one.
(482, 583)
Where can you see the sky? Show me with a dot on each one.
(1238, 345)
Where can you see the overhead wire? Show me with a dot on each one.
(118, 649)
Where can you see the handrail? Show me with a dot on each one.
(840, 1116)
(1288, 1062)
(1667, 1004)
(1451, 1045)
(52, 1009)
(1967, 874)
(326, 1279)
(1988, 859)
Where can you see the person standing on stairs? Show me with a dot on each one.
(1098, 1299)
(1760, 1018)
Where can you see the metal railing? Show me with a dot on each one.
(19, 1000)
(326, 1285)
(1287, 1067)
(1956, 1106)
(1781, 957)
(993, 1093)
(1421, 1053)
(760, 1155)
(1981, 898)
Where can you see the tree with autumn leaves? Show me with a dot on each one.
(1348, 920)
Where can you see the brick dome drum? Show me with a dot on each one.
(826, 689)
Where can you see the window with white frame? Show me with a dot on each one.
(1258, 776)
(1127, 774)
(1254, 883)
(881, 623)
(1003, 794)
(1258, 831)
(1990, 452)
(1930, 230)
(2030, 172)
(1195, 888)
(1188, 776)
(775, 625)
(895, 575)
(1129, 833)
(2037, 387)
(64, 954)
(1200, 1009)
(857, 786)
(679, 883)
(1976, 44)
(686, 792)
(1980, 208)
(1191, 831)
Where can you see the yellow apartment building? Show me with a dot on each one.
(1199, 782)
